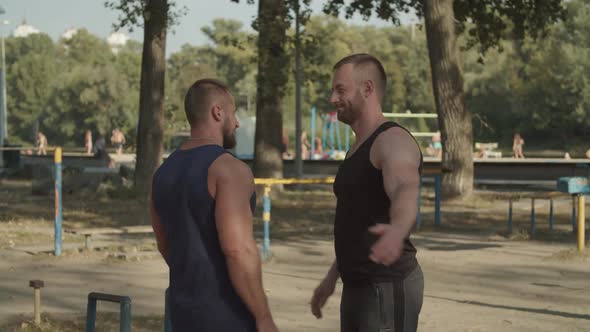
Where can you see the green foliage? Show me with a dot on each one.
(184, 68)
(491, 19)
(133, 12)
(230, 57)
(233, 52)
(404, 55)
(67, 87)
(31, 77)
(538, 87)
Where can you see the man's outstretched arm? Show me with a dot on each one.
(398, 156)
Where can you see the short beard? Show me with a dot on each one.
(229, 139)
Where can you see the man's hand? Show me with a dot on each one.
(321, 294)
(389, 247)
(266, 325)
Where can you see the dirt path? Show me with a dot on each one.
(472, 284)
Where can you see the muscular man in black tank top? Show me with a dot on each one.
(377, 189)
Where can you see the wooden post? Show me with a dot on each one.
(37, 285)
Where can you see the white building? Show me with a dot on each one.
(117, 40)
(69, 33)
(24, 29)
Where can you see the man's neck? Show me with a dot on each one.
(202, 136)
(365, 126)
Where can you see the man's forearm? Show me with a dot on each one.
(404, 208)
(163, 249)
(246, 276)
(161, 240)
(333, 273)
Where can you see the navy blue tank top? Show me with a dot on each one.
(201, 295)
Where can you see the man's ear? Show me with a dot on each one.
(368, 88)
(216, 112)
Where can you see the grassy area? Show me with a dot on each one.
(28, 219)
(299, 214)
(570, 255)
(103, 208)
(105, 321)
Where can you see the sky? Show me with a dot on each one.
(56, 16)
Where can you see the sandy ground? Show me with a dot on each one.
(472, 284)
(477, 279)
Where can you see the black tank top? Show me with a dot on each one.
(361, 203)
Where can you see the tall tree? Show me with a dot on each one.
(443, 19)
(272, 23)
(157, 15)
(271, 83)
(150, 133)
(453, 118)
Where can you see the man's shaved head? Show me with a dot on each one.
(366, 67)
(201, 96)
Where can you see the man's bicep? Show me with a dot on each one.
(400, 175)
(233, 216)
(400, 162)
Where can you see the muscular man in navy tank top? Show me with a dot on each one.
(201, 209)
(377, 203)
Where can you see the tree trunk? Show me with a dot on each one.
(271, 83)
(447, 80)
(151, 97)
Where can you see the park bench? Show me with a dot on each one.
(89, 232)
(489, 149)
(574, 187)
(533, 196)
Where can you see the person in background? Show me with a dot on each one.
(41, 144)
(319, 151)
(88, 142)
(305, 146)
(285, 145)
(118, 140)
(517, 145)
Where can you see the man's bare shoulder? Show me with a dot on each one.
(395, 143)
(397, 135)
(228, 167)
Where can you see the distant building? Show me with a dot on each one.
(24, 30)
(69, 33)
(117, 40)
